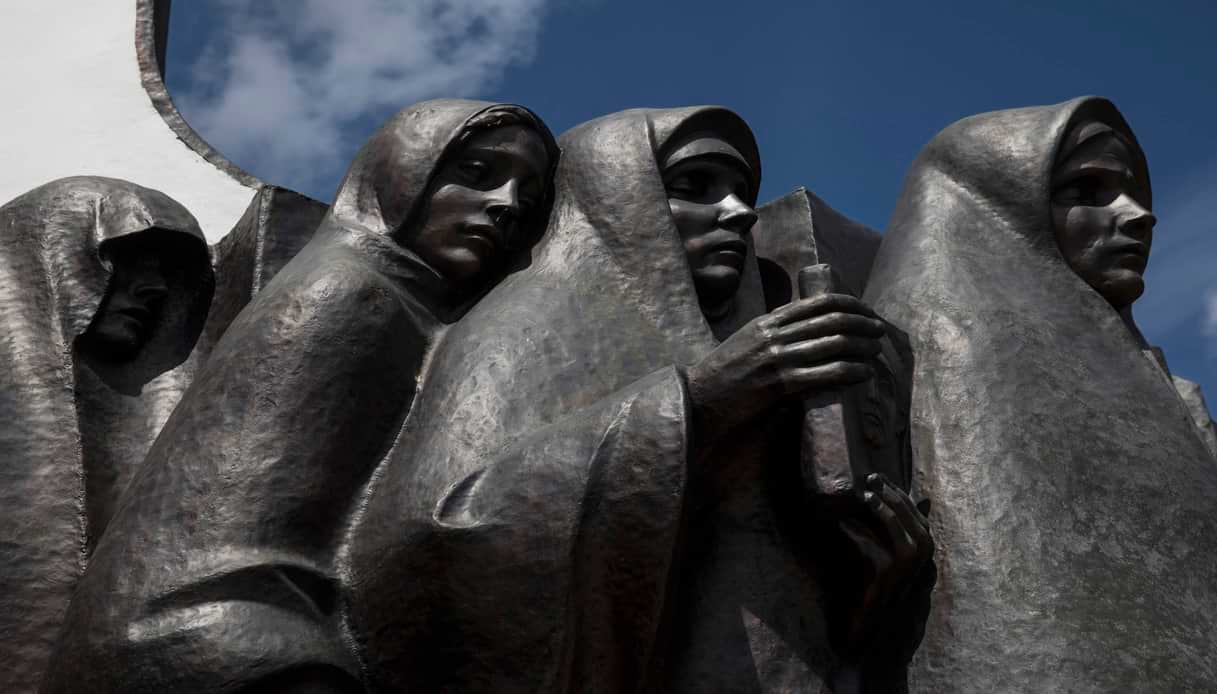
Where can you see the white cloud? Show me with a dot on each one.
(279, 88)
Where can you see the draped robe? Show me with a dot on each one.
(1074, 503)
(69, 441)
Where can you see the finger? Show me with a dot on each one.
(834, 374)
(890, 523)
(800, 309)
(898, 501)
(828, 324)
(832, 348)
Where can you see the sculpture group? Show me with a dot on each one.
(575, 415)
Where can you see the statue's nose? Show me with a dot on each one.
(1136, 222)
(736, 215)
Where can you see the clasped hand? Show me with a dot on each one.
(811, 344)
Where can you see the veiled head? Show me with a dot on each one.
(128, 267)
(483, 196)
(461, 184)
(1100, 210)
(135, 298)
(710, 191)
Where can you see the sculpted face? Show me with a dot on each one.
(481, 194)
(1100, 215)
(132, 306)
(883, 404)
(881, 421)
(707, 183)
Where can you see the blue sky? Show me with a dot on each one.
(841, 95)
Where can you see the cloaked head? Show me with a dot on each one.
(709, 184)
(135, 298)
(461, 184)
(483, 197)
(1100, 210)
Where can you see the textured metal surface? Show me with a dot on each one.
(71, 435)
(221, 570)
(1075, 507)
(277, 224)
(800, 229)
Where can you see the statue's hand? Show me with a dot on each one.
(896, 549)
(810, 344)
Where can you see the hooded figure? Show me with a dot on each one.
(219, 573)
(542, 525)
(104, 286)
(1074, 503)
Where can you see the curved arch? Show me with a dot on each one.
(151, 37)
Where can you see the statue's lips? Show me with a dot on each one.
(484, 236)
(729, 253)
(1133, 256)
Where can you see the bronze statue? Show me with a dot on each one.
(1075, 505)
(442, 451)
(593, 493)
(105, 286)
(222, 569)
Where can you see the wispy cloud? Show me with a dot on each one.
(284, 81)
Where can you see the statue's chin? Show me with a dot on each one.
(716, 288)
(1122, 287)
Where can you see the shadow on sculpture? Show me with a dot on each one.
(105, 286)
(242, 505)
(1073, 499)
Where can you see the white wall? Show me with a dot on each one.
(74, 104)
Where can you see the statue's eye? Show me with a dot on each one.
(472, 171)
(688, 186)
(1084, 190)
(1088, 189)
